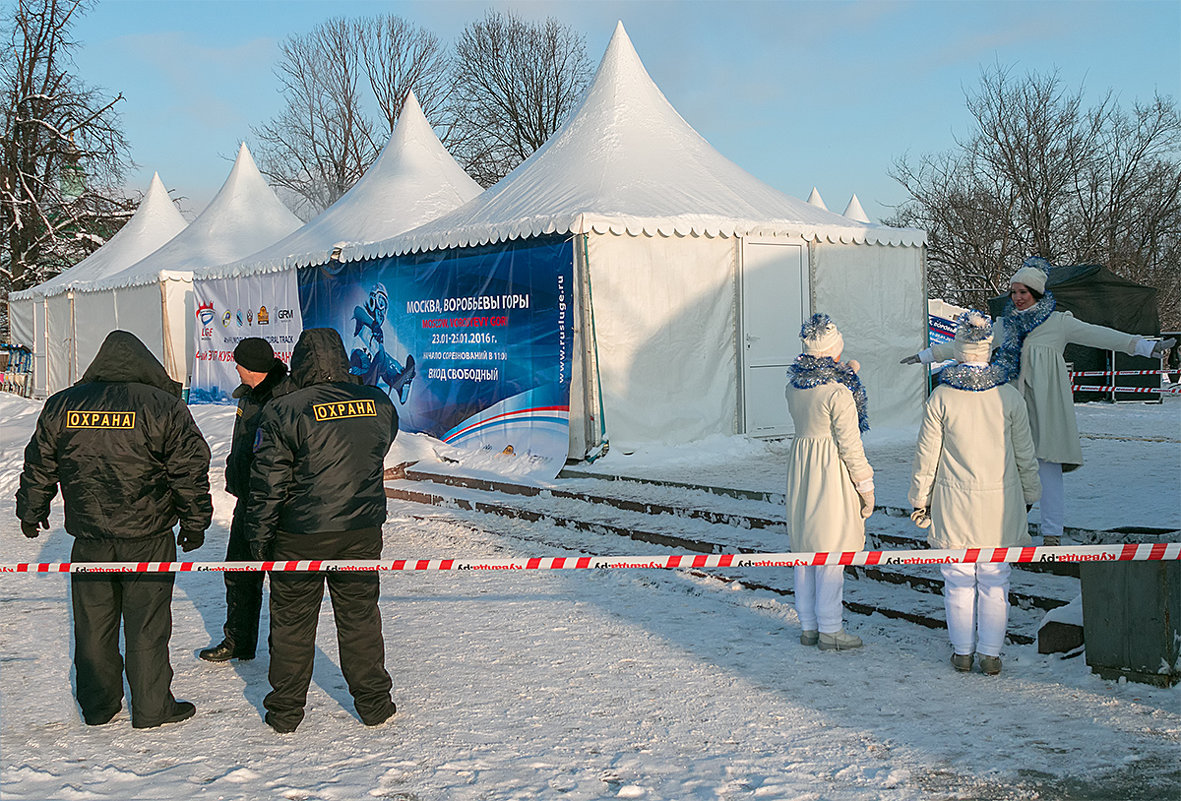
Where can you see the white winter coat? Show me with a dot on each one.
(975, 469)
(826, 459)
(1045, 382)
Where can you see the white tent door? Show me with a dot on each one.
(774, 303)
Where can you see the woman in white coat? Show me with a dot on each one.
(974, 476)
(1030, 338)
(829, 481)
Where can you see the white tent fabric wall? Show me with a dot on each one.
(59, 355)
(21, 321)
(666, 348)
(874, 295)
(95, 311)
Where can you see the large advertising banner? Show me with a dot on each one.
(229, 310)
(473, 345)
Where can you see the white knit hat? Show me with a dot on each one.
(821, 337)
(1032, 274)
(973, 337)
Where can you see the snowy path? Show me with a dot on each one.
(588, 685)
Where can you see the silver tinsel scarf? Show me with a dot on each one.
(973, 377)
(812, 371)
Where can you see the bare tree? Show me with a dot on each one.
(321, 143)
(514, 84)
(1041, 175)
(400, 58)
(61, 153)
(333, 79)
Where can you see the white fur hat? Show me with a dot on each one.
(1032, 274)
(973, 337)
(821, 337)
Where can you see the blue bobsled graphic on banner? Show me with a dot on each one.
(473, 345)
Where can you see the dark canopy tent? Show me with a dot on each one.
(1094, 294)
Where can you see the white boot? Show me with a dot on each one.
(840, 641)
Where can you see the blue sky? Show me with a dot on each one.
(800, 94)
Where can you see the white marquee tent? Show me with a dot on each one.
(413, 180)
(153, 298)
(49, 306)
(700, 274)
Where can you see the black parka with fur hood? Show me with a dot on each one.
(122, 444)
(321, 444)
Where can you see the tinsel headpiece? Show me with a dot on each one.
(821, 337)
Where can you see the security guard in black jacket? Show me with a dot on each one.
(316, 492)
(131, 464)
(260, 372)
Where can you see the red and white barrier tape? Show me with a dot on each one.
(1142, 552)
(1170, 389)
(1089, 373)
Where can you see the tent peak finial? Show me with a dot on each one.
(854, 211)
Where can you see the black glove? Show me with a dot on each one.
(189, 539)
(30, 529)
(910, 359)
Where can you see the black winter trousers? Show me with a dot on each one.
(295, 610)
(143, 602)
(243, 590)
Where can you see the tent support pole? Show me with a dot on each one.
(602, 444)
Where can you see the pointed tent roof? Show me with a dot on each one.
(156, 221)
(243, 217)
(413, 181)
(854, 211)
(816, 200)
(625, 160)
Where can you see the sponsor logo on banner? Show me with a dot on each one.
(79, 419)
(205, 317)
(225, 318)
(343, 409)
(264, 317)
(284, 314)
(238, 316)
(250, 317)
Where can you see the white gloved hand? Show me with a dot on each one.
(921, 517)
(866, 503)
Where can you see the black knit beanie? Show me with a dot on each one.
(255, 355)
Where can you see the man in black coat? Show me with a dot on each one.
(260, 372)
(131, 464)
(316, 492)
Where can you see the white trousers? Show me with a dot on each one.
(976, 597)
(819, 596)
(1052, 505)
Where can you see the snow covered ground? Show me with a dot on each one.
(604, 684)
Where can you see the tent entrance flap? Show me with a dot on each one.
(774, 291)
